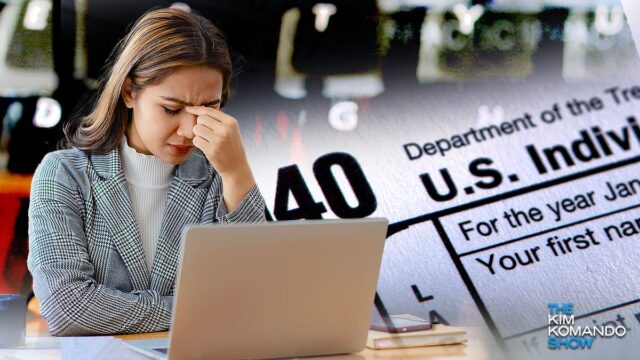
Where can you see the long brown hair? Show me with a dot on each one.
(159, 43)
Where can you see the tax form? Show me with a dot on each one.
(511, 181)
(632, 12)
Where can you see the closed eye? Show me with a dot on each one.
(171, 111)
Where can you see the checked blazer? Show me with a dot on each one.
(85, 250)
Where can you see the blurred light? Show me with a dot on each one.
(609, 21)
(48, 113)
(182, 6)
(302, 118)
(428, 68)
(392, 6)
(516, 6)
(580, 5)
(389, 6)
(296, 151)
(36, 15)
(352, 86)
(291, 86)
(343, 116)
(452, 40)
(282, 121)
(289, 83)
(502, 35)
(14, 114)
(467, 17)
(323, 13)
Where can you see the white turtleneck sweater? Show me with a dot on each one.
(148, 178)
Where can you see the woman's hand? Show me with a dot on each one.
(218, 136)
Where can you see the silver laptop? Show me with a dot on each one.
(280, 289)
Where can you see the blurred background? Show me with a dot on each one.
(309, 77)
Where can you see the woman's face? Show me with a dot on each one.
(160, 124)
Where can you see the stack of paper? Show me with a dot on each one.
(438, 335)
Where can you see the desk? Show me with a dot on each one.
(475, 348)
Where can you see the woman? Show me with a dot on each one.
(154, 155)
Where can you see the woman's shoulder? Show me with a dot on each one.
(68, 158)
(62, 166)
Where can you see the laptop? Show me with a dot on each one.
(273, 290)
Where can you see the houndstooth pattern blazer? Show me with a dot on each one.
(86, 254)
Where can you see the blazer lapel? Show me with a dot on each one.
(113, 202)
(184, 206)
